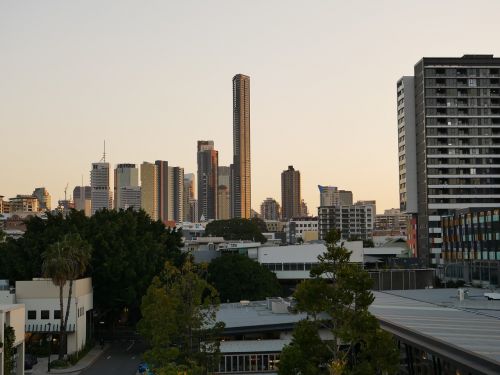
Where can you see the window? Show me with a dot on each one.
(31, 314)
(45, 314)
(57, 314)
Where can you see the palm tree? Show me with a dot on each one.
(64, 261)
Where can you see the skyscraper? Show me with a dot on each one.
(241, 179)
(99, 183)
(327, 195)
(449, 143)
(44, 199)
(149, 189)
(82, 199)
(208, 162)
(270, 209)
(126, 175)
(189, 196)
(170, 192)
(290, 193)
(224, 195)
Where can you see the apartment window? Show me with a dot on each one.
(45, 314)
(57, 314)
(31, 314)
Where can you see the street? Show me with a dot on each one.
(121, 358)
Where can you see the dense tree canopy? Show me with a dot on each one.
(129, 249)
(342, 291)
(237, 278)
(237, 229)
(178, 321)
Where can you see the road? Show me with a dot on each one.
(121, 358)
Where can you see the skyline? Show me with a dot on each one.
(153, 79)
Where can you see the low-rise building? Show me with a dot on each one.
(12, 317)
(297, 228)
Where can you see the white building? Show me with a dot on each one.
(355, 220)
(100, 190)
(41, 300)
(296, 228)
(12, 315)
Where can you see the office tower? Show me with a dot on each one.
(44, 199)
(189, 196)
(456, 122)
(352, 221)
(224, 181)
(241, 181)
(328, 196)
(149, 189)
(290, 193)
(100, 190)
(130, 197)
(270, 209)
(223, 205)
(304, 211)
(170, 192)
(82, 198)
(208, 162)
(345, 197)
(126, 175)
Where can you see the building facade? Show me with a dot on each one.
(208, 163)
(353, 221)
(44, 199)
(170, 184)
(270, 209)
(223, 200)
(189, 196)
(149, 189)
(82, 198)
(126, 176)
(290, 194)
(241, 167)
(100, 191)
(456, 105)
(23, 203)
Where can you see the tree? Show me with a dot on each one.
(65, 261)
(341, 290)
(178, 321)
(238, 277)
(8, 349)
(236, 229)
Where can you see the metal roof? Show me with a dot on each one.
(253, 346)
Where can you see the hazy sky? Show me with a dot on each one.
(153, 77)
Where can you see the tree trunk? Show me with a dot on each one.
(61, 326)
(68, 307)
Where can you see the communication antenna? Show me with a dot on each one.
(104, 154)
(65, 190)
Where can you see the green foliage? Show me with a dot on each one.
(129, 249)
(178, 321)
(342, 291)
(237, 229)
(306, 354)
(238, 277)
(8, 349)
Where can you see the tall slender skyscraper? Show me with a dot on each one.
(208, 162)
(241, 178)
(170, 192)
(290, 194)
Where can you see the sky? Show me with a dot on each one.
(153, 77)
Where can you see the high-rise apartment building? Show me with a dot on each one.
(82, 198)
(170, 192)
(99, 183)
(331, 196)
(149, 189)
(189, 196)
(270, 209)
(126, 176)
(241, 177)
(208, 163)
(23, 203)
(224, 181)
(456, 142)
(355, 220)
(44, 199)
(290, 194)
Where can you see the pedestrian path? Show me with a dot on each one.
(93, 355)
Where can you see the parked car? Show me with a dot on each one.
(29, 361)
